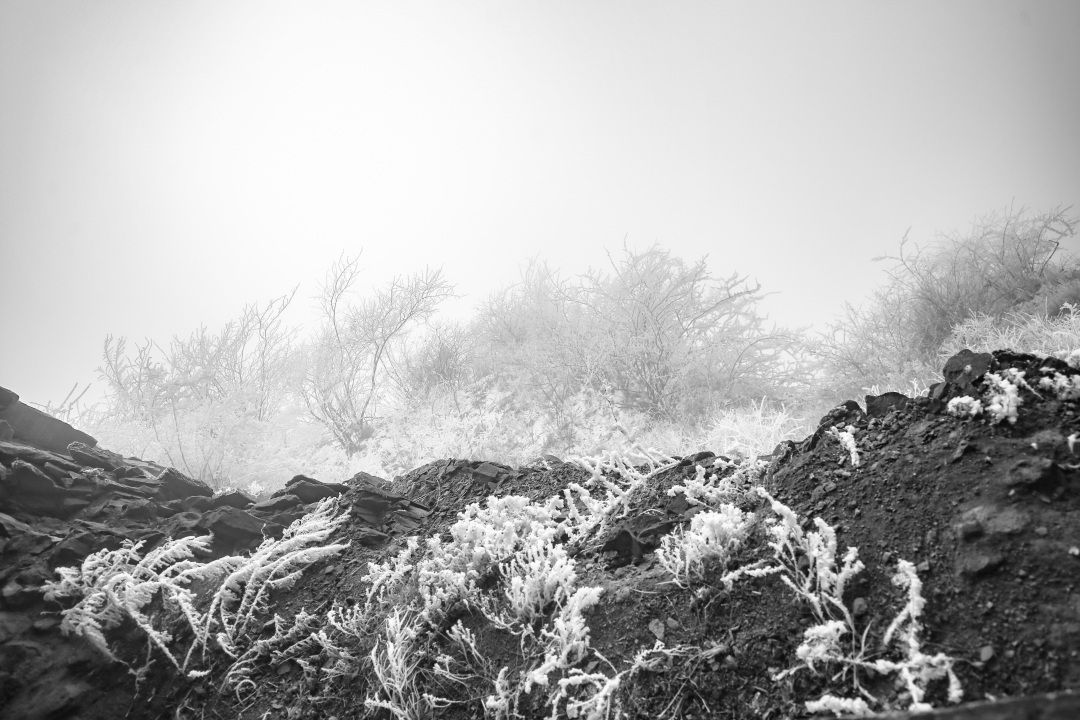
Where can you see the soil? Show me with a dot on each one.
(988, 512)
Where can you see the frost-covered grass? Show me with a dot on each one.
(113, 585)
(508, 560)
(260, 457)
(1021, 332)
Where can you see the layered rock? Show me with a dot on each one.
(63, 498)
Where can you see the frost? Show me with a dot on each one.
(713, 535)
(964, 407)
(1004, 400)
(847, 439)
(1064, 387)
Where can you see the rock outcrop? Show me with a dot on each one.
(59, 503)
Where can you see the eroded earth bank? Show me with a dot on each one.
(912, 553)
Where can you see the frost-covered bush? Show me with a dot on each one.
(244, 595)
(964, 407)
(714, 536)
(1064, 387)
(114, 585)
(1003, 399)
(821, 583)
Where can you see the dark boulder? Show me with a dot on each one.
(95, 457)
(233, 526)
(280, 502)
(310, 490)
(878, 406)
(33, 427)
(175, 486)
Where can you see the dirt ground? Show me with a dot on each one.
(988, 512)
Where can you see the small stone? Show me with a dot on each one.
(45, 624)
(672, 624)
(622, 594)
(1041, 531)
(986, 654)
(971, 529)
(657, 628)
(730, 661)
(1028, 471)
(859, 607)
(923, 567)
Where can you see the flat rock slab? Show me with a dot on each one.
(175, 486)
(310, 490)
(232, 525)
(33, 427)
(95, 457)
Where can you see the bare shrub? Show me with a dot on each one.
(346, 371)
(1006, 261)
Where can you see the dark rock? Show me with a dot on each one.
(276, 522)
(61, 476)
(782, 450)
(33, 427)
(107, 485)
(45, 624)
(140, 510)
(16, 596)
(490, 471)
(71, 505)
(235, 499)
(139, 485)
(23, 538)
(11, 451)
(281, 502)
(170, 508)
(232, 525)
(847, 411)
(109, 507)
(966, 367)
(10, 527)
(174, 485)
(129, 472)
(29, 488)
(182, 524)
(363, 479)
(73, 549)
(878, 406)
(1032, 471)
(95, 457)
(978, 563)
(372, 504)
(698, 457)
(27, 479)
(199, 503)
(369, 537)
(309, 490)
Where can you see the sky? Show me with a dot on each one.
(164, 164)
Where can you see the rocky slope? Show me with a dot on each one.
(985, 508)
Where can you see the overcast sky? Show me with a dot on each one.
(164, 163)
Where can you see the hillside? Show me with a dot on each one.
(692, 587)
